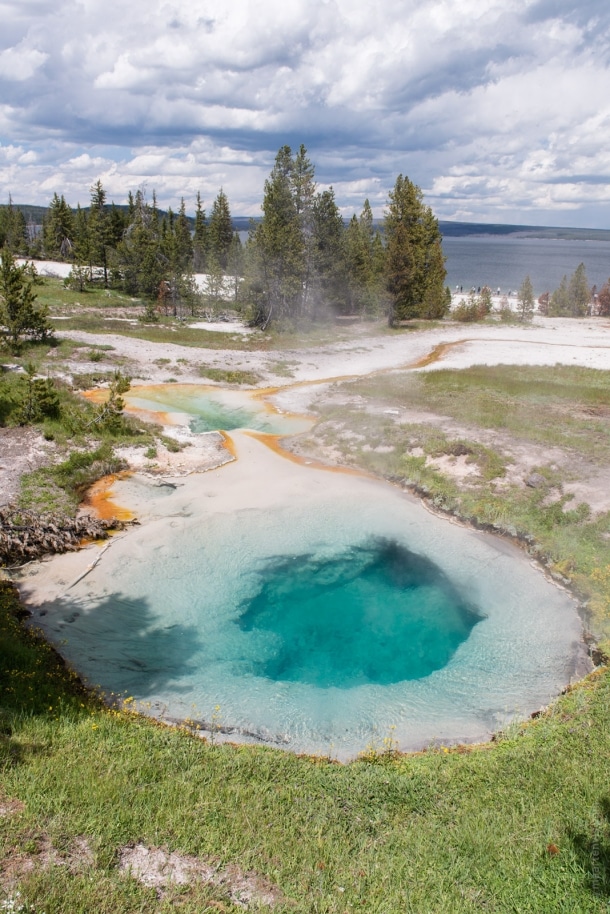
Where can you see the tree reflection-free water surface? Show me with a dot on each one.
(212, 408)
(375, 614)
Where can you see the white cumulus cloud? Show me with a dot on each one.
(494, 107)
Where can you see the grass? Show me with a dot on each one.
(229, 376)
(523, 826)
(563, 406)
(283, 368)
(82, 452)
(168, 330)
(104, 311)
(60, 488)
(50, 291)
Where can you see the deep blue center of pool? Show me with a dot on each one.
(374, 614)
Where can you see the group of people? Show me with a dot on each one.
(459, 290)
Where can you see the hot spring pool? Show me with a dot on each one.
(211, 408)
(316, 611)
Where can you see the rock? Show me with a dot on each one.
(598, 657)
(536, 481)
(459, 449)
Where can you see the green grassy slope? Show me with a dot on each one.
(522, 825)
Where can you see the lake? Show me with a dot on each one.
(504, 262)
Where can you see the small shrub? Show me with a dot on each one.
(77, 278)
(171, 444)
(507, 315)
(458, 449)
(475, 308)
(39, 398)
(229, 376)
(150, 315)
(90, 379)
(96, 464)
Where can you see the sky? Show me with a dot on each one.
(498, 109)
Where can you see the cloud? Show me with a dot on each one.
(492, 106)
(20, 62)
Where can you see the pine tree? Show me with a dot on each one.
(81, 236)
(118, 221)
(154, 211)
(140, 259)
(366, 259)
(183, 294)
(525, 297)
(58, 229)
(220, 229)
(329, 282)
(276, 249)
(303, 187)
(214, 287)
(559, 305)
(603, 300)
(437, 296)
(109, 415)
(367, 232)
(79, 273)
(304, 195)
(200, 238)
(183, 240)
(579, 293)
(415, 271)
(4, 230)
(19, 316)
(573, 297)
(235, 264)
(39, 398)
(13, 229)
(100, 234)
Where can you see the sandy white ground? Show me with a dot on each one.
(544, 341)
(49, 267)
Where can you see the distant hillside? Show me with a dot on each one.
(32, 213)
(462, 229)
(458, 229)
(35, 214)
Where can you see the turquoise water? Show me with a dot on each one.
(312, 610)
(211, 408)
(316, 611)
(374, 614)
